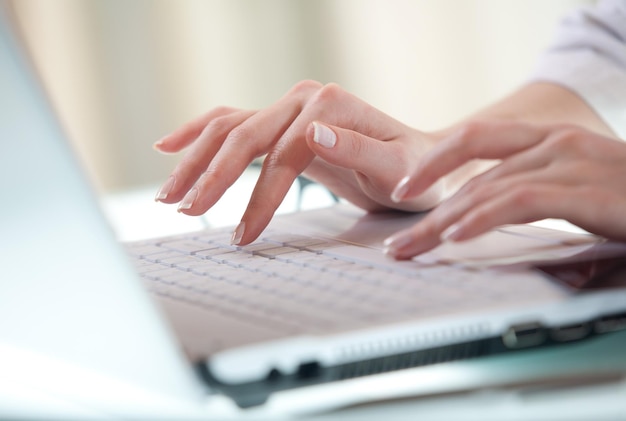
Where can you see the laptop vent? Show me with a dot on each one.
(413, 359)
(407, 343)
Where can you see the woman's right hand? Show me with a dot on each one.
(544, 171)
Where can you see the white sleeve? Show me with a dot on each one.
(588, 56)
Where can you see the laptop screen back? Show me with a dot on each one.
(66, 288)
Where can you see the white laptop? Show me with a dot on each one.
(313, 301)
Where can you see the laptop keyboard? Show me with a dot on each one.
(293, 283)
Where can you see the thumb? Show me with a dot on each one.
(382, 163)
(352, 150)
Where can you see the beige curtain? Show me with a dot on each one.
(122, 73)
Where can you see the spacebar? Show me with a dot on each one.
(371, 257)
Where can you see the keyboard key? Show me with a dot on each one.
(295, 283)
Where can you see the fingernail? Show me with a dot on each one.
(159, 143)
(323, 135)
(395, 243)
(401, 189)
(452, 233)
(238, 234)
(165, 189)
(188, 200)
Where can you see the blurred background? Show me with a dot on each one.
(123, 73)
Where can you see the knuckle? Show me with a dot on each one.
(472, 187)
(221, 110)
(218, 125)
(305, 86)
(280, 160)
(465, 139)
(274, 159)
(471, 129)
(565, 138)
(478, 217)
(525, 197)
(211, 173)
(242, 139)
(431, 226)
(476, 192)
(240, 134)
(330, 92)
(327, 94)
(358, 148)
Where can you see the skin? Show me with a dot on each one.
(546, 171)
(338, 140)
(223, 142)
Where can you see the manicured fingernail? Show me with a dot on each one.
(238, 234)
(323, 135)
(401, 189)
(452, 233)
(165, 189)
(159, 143)
(395, 243)
(188, 200)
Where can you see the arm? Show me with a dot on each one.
(338, 140)
(535, 103)
(579, 79)
(548, 169)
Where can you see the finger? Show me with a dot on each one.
(186, 134)
(479, 192)
(342, 183)
(410, 242)
(253, 138)
(523, 204)
(517, 201)
(444, 223)
(528, 166)
(429, 232)
(582, 206)
(563, 146)
(476, 140)
(200, 154)
(277, 175)
(352, 150)
(594, 209)
(289, 158)
(576, 188)
(376, 163)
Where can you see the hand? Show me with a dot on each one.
(546, 172)
(358, 152)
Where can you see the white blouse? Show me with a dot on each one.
(588, 56)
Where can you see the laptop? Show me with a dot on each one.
(313, 301)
